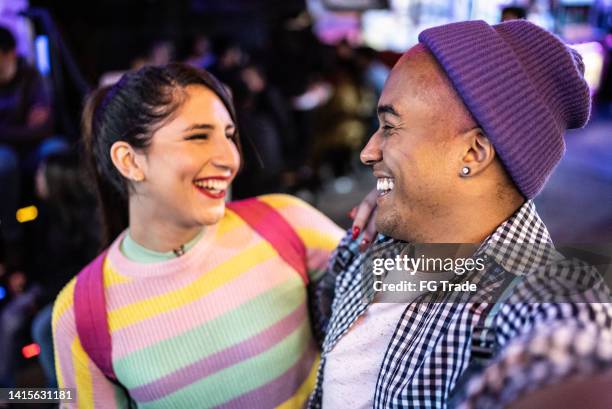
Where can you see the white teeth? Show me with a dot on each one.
(212, 184)
(384, 185)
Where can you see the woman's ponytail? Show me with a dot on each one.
(112, 204)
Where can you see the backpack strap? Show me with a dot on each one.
(273, 227)
(90, 312)
(91, 317)
(484, 340)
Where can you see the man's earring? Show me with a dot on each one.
(139, 177)
(465, 171)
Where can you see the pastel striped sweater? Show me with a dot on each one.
(225, 325)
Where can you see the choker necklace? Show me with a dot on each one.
(179, 251)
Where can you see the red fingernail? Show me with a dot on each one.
(356, 231)
(352, 213)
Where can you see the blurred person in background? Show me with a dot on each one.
(297, 63)
(67, 238)
(373, 70)
(25, 130)
(161, 52)
(342, 123)
(15, 316)
(229, 59)
(266, 125)
(374, 74)
(158, 52)
(199, 52)
(201, 307)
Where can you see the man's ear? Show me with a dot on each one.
(478, 153)
(127, 161)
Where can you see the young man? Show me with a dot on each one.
(471, 127)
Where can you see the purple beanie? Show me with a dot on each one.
(523, 86)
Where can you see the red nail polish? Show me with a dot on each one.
(356, 231)
(353, 213)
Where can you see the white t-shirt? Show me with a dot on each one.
(352, 366)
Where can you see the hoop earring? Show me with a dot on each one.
(465, 171)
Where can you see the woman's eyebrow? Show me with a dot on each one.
(199, 126)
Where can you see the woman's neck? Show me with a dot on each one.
(158, 233)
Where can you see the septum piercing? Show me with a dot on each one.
(465, 171)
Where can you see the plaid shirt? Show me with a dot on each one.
(431, 344)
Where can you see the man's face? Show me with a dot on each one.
(412, 153)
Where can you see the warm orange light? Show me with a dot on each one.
(30, 351)
(27, 214)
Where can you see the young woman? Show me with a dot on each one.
(201, 309)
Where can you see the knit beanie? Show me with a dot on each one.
(523, 86)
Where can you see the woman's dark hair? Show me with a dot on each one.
(131, 111)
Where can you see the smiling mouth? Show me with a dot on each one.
(384, 186)
(212, 187)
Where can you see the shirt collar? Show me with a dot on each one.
(521, 243)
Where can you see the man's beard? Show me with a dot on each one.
(390, 223)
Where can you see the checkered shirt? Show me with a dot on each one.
(431, 344)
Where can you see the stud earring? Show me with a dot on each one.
(465, 171)
(139, 177)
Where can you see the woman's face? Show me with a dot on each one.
(190, 163)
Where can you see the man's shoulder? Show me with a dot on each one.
(566, 290)
(562, 280)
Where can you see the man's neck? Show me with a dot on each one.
(471, 222)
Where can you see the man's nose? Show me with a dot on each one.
(371, 153)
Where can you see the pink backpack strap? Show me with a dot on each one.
(273, 227)
(91, 316)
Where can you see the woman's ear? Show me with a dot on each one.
(479, 151)
(126, 161)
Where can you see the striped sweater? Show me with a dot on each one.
(225, 325)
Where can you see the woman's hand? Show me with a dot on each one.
(363, 216)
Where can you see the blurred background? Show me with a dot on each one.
(305, 75)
